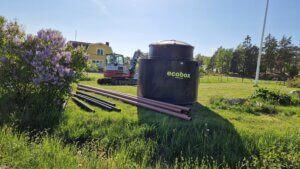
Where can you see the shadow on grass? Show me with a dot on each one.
(31, 115)
(208, 135)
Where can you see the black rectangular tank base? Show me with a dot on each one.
(170, 81)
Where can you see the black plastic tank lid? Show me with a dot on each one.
(171, 50)
(171, 42)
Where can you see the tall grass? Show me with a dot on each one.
(140, 138)
(18, 150)
(270, 150)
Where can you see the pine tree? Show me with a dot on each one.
(285, 55)
(235, 62)
(270, 53)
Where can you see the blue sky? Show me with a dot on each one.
(134, 24)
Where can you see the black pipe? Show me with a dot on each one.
(112, 107)
(98, 103)
(82, 105)
(127, 100)
(109, 103)
(94, 102)
(183, 108)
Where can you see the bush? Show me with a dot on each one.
(91, 67)
(86, 77)
(262, 101)
(293, 71)
(274, 97)
(242, 105)
(36, 72)
(295, 82)
(202, 71)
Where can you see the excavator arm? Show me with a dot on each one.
(137, 54)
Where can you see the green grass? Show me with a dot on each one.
(140, 138)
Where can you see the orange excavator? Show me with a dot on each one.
(117, 73)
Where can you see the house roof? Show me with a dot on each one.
(100, 43)
(75, 44)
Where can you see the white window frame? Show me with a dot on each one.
(100, 52)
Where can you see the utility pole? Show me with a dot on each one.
(261, 45)
(75, 34)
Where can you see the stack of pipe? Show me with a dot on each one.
(96, 101)
(82, 105)
(166, 108)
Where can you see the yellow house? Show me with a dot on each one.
(97, 53)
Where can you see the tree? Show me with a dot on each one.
(206, 61)
(251, 59)
(249, 55)
(244, 48)
(271, 51)
(286, 52)
(219, 59)
(247, 42)
(282, 57)
(212, 63)
(293, 71)
(227, 60)
(199, 59)
(223, 60)
(236, 60)
(91, 67)
(297, 60)
(295, 63)
(203, 60)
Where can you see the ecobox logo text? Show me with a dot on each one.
(179, 75)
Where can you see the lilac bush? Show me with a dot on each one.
(36, 71)
(51, 63)
(11, 38)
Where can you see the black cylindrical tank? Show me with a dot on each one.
(170, 74)
(171, 50)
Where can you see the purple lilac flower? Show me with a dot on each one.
(39, 33)
(68, 57)
(36, 81)
(49, 68)
(41, 55)
(29, 38)
(85, 56)
(26, 55)
(47, 52)
(67, 71)
(71, 73)
(54, 37)
(39, 68)
(16, 40)
(58, 56)
(33, 63)
(4, 60)
(61, 71)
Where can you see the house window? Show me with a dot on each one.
(100, 52)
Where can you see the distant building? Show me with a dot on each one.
(76, 44)
(97, 53)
